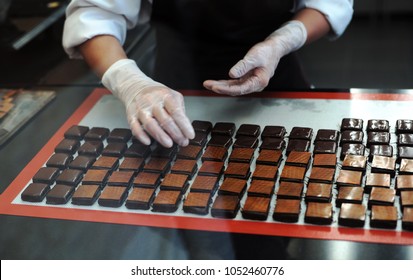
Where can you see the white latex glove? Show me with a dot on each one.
(151, 107)
(253, 72)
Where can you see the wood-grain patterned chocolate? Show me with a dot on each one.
(352, 215)
(269, 157)
(86, 195)
(290, 190)
(265, 172)
(225, 206)
(197, 203)
(319, 213)
(242, 155)
(185, 166)
(325, 160)
(205, 184)
(256, 208)
(132, 164)
(238, 170)
(287, 210)
(175, 182)
(297, 158)
(140, 198)
(349, 195)
(383, 216)
(113, 196)
(167, 201)
(233, 186)
(317, 192)
(215, 153)
(262, 188)
(147, 180)
(322, 175)
(293, 173)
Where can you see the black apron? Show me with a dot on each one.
(202, 39)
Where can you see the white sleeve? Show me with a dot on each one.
(86, 19)
(337, 12)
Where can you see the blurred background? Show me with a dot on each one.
(376, 51)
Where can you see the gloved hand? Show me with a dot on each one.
(151, 107)
(253, 72)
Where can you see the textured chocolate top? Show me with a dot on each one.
(204, 183)
(290, 190)
(355, 162)
(132, 164)
(349, 177)
(147, 179)
(104, 162)
(325, 160)
(237, 170)
(265, 172)
(95, 177)
(215, 153)
(190, 152)
(121, 178)
(244, 155)
(270, 157)
(317, 192)
(256, 205)
(211, 168)
(293, 173)
(298, 158)
(233, 186)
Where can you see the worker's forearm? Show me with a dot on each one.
(315, 22)
(101, 52)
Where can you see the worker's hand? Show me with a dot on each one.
(253, 72)
(151, 107)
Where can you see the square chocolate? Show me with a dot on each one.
(377, 180)
(262, 188)
(378, 125)
(273, 131)
(265, 172)
(202, 126)
(211, 168)
(207, 184)
(293, 173)
(46, 175)
(104, 162)
(380, 150)
(382, 164)
(287, 210)
(120, 135)
(97, 134)
(132, 164)
(351, 137)
(147, 180)
(352, 149)
(296, 158)
(67, 146)
(82, 162)
(349, 195)
(251, 130)
(233, 186)
(200, 139)
(113, 196)
(269, 157)
(114, 149)
(407, 221)
(163, 152)
(35, 192)
(76, 132)
(167, 201)
(378, 138)
(59, 194)
(225, 206)
(298, 145)
(355, 162)
(383, 216)
(158, 165)
(381, 196)
(138, 150)
(404, 126)
(352, 215)
(349, 178)
(325, 160)
(330, 135)
(86, 195)
(59, 160)
(322, 175)
(405, 139)
(242, 155)
(70, 177)
(404, 152)
(319, 213)
(238, 170)
(351, 124)
(91, 148)
(325, 147)
(406, 167)
(190, 152)
(215, 153)
(185, 166)
(404, 183)
(317, 192)
(121, 178)
(290, 190)
(269, 143)
(406, 199)
(305, 133)
(96, 177)
(223, 128)
(197, 203)
(175, 182)
(246, 142)
(220, 141)
(140, 198)
(256, 208)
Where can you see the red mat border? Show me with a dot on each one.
(193, 223)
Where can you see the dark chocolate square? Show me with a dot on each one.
(325, 160)
(120, 135)
(121, 178)
(215, 153)
(351, 124)
(382, 164)
(269, 157)
(185, 166)
(225, 206)
(96, 177)
(76, 132)
(91, 148)
(404, 152)
(317, 192)
(349, 178)
(233, 186)
(406, 166)
(86, 195)
(270, 143)
(200, 139)
(67, 146)
(35, 192)
(138, 150)
(256, 208)
(59, 160)
(378, 125)
(265, 172)
(202, 126)
(113, 196)
(322, 175)
(405, 139)
(352, 149)
(377, 180)
(220, 141)
(327, 135)
(383, 216)
(46, 175)
(351, 137)
(197, 203)
(190, 152)
(404, 126)
(243, 155)
(140, 198)
(246, 142)
(293, 173)
(290, 190)
(223, 128)
(147, 180)
(349, 195)
(378, 138)
(380, 150)
(252, 130)
(298, 145)
(354, 162)
(211, 168)
(319, 213)
(97, 134)
(305, 133)
(352, 215)
(262, 188)
(167, 201)
(175, 182)
(71, 177)
(238, 170)
(132, 164)
(273, 131)
(104, 162)
(114, 149)
(207, 184)
(325, 147)
(297, 158)
(287, 210)
(59, 194)
(407, 221)
(404, 183)
(381, 196)
(82, 163)
(163, 152)
(158, 165)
